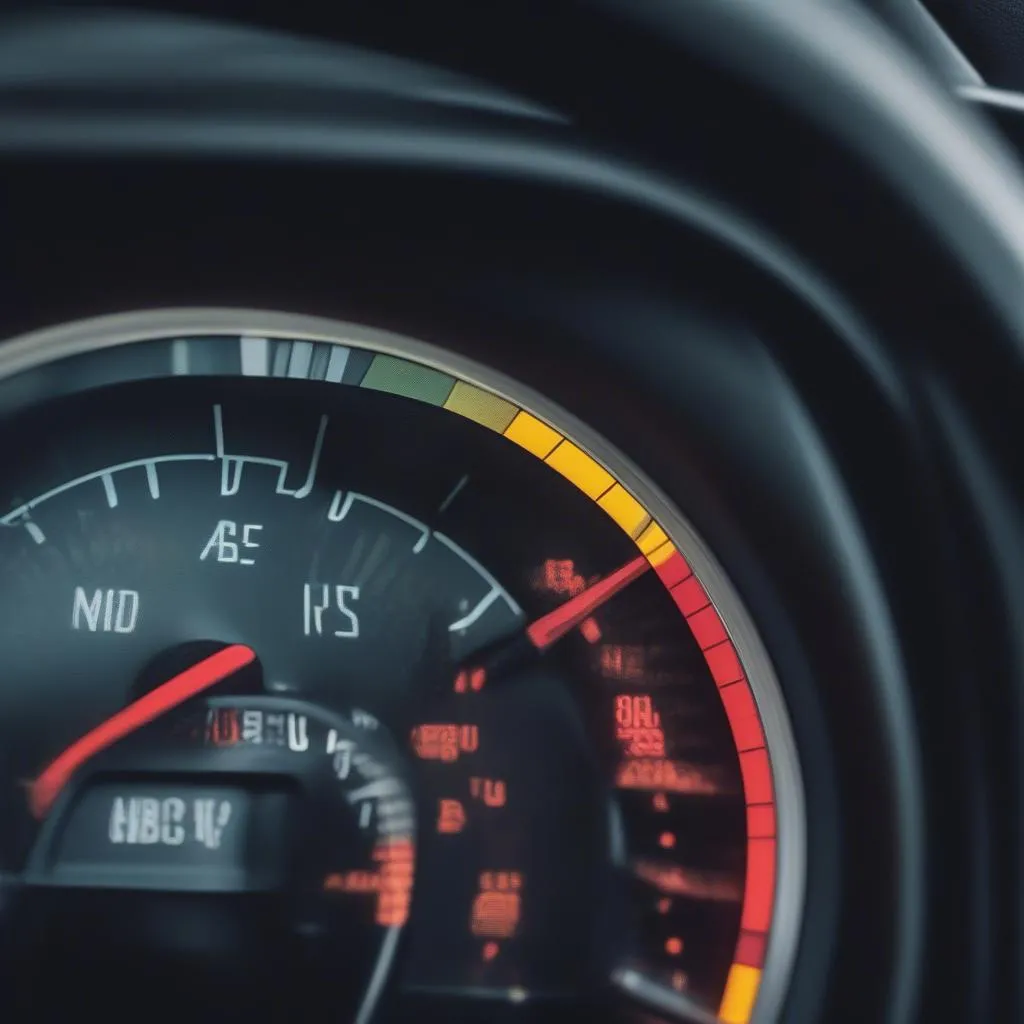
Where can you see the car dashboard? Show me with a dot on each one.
(508, 517)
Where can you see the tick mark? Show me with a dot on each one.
(111, 491)
(255, 353)
(469, 618)
(454, 494)
(300, 359)
(180, 358)
(336, 364)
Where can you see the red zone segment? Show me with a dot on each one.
(740, 708)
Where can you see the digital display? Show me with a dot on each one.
(157, 835)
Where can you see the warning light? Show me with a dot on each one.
(660, 802)
(664, 905)
(619, 662)
(445, 742)
(666, 841)
(469, 680)
(491, 791)
(490, 951)
(222, 727)
(559, 576)
(674, 946)
(591, 630)
(451, 817)
(496, 907)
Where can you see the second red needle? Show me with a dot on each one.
(548, 629)
(44, 790)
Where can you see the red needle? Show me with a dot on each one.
(47, 787)
(543, 632)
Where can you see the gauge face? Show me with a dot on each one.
(339, 627)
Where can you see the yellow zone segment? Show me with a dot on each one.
(740, 993)
(660, 555)
(651, 539)
(532, 434)
(625, 510)
(580, 469)
(481, 406)
(567, 459)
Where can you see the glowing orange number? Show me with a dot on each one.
(639, 726)
(636, 711)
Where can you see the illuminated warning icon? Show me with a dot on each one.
(495, 914)
(451, 818)
(496, 907)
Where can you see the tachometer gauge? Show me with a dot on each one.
(327, 655)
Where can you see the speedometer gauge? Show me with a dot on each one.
(326, 654)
